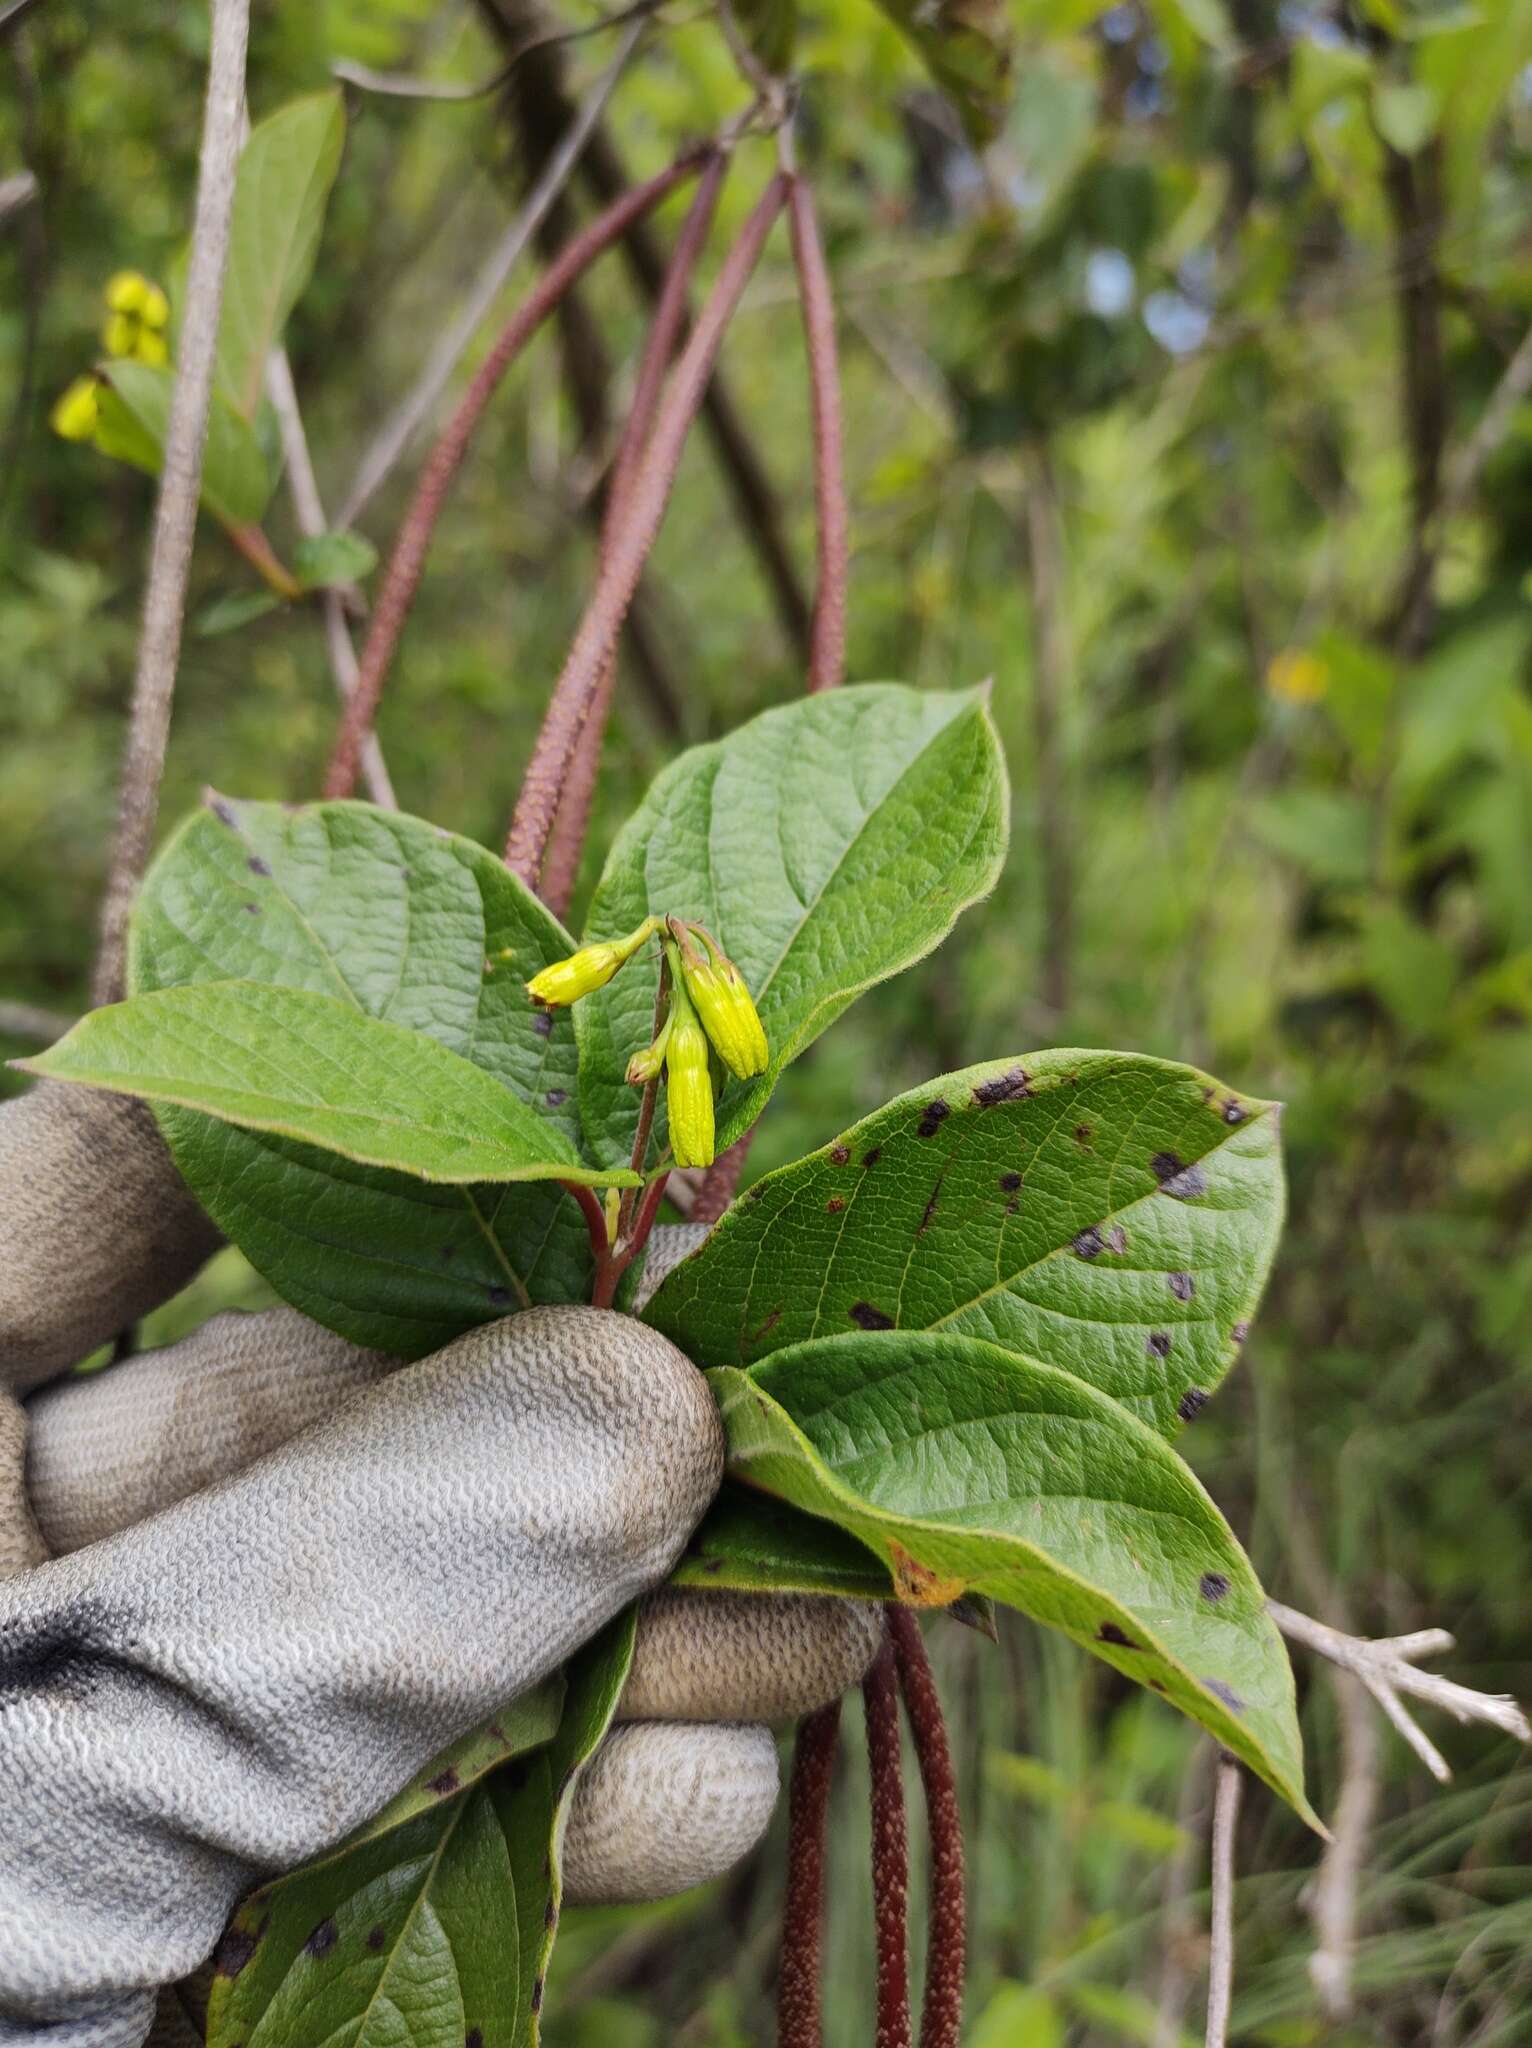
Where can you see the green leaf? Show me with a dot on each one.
(428, 930)
(330, 558)
(316, 1068)
(285, 173)
(234, 609)
(966, 47)
(435, 1926)
(969, 1469)
(750, 1543)
(135, 419)
(1113, 1215)
(827, 844)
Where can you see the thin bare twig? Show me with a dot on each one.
(406, 565)
(1181, 1934)
(308, 510)
(32, 1022)
(395, 434)
(1385, 1665)
(1332, 1901)
(827, 652)
(175, 515)
(404, 86)
(596, 636)
(562, 865)
(1046, 570)
(1226, 1792)
(800, 2022)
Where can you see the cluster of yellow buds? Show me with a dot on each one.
(137, 315)
(710, 1010)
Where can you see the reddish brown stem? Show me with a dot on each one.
(890, 1852)
(941, 2017)
(721, 1180)
(799, 2019)
(407, 563)
(827, 650)
(620, 570)
(562, 865)
(594, 1214)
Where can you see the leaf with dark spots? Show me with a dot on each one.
(1186, 1183)
(1192, 1403)
(221, 810)
(929, 1210)
(1081, 1270)
(257, 866)
(1226, 1693)
(835, 1204)
(968, 1469)
(1082, 1134)
(933, 1116)
(839, 1154)
(235, 1950)
(1157, 1344)
(444, 1782)
(1006, 1087)
(474, 2038)
(1212, 1586)
(322, 1940)
(870, 1157)
(866, 1317)
(397, 917)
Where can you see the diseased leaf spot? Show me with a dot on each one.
(254, 909)
(1192, 1403)
(257, 866)
(223, 812)
(238, 1944)
(1117, 1239)
(376, 1936)
(542, 1023)
(1233, 1113)
(764, 1329)
(537, 1996)
(1083, 1135)
(869, 1318)
(840, 1154)
(1109, 1632)
(550, 1916)
(835, 1204)
(933, 1117)
(1181, 1285)
(1240, 1332)
(444, 1782)
(1176, 1178)
(917, 1585)
(1090, 1244)
(1226, 1693)
(930, 1210)
(448, 1251)
(1213, 1586)
(556, 1096)
(1007, 1087)
(474, 2038)
(1158, 1344)
(322, 1940)
(874, 1154)
(1010, 1182)
(499, 1295)
(713, 1567)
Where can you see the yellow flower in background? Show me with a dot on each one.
(1297, 676)
(76, 413)
(137, 315)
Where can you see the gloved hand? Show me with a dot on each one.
(197, 1699)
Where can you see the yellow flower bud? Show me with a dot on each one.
(688, 1087)
(76, 413)
(127, 291)
(645, 1065)
(592, 967)
(724, 1004)
(155, 311)
(119, 334)
(151, 348)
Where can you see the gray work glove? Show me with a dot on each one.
(194, 1700)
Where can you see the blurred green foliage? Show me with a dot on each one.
(1175, 414)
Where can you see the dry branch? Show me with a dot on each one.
(175, 514)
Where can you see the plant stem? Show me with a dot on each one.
(563, 859)
(890, 1851)
(175, 513)
(827, 649)
(595, 1218)
(1226, 1793)
(259, 553)
(597, 634)
(941, 2018)
(406, 565)
(799, 2019)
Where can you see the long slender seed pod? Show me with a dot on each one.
(562, 865)
(597, 635)
(890, 1852)
(827, 651)
(941, 2018)
(800, 2021)
(406, 565)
